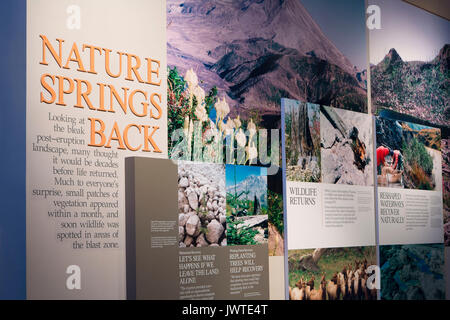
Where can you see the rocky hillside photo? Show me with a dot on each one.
(201, 205)
(420, 89)
(256, 52)
(346, 147)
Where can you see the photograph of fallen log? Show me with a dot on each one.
(331, 274)
(346, 147)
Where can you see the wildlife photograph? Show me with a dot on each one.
(331, 274)
(410, 59)
(412, 272)
(231, 62)
(246, 205)
(302, 141)
(201, 204)
(408, 155)
(346, 147)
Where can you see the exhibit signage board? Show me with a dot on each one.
(409, 182)
(409, 52)
(329, 180)
(409, 202)
(210, 150)
(329, 195)
(203, 234)
(96, 93)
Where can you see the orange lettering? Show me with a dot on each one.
(134, 68)
(107, 66)
(123, 103)
(61, 90)
(115, 135)
(99, 132)
(156, 105)
(125, 137)
(48, 88)
(77, 58)
(46, 43)
(149, 138)
(92, 50)
(150, 71)
(83, 95)
(144, 104)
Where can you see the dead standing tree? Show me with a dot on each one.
(310, 261)
(301, 141)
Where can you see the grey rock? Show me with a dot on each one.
(192, 213)
(188, 241)
(210, 216)
(182, 218)
(200, 241)
(183, 183)
(193, 200)
(215, 231)
(180, 234)
(182, 200)
(192, 224)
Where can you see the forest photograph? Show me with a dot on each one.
(302, 141)
(246, 205)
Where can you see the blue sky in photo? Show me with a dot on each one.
(344, 23)
(415, 34)
(242, 172)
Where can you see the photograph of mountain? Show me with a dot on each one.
(331, 273)
(201, 204)
(418, 88)
(346, 147)
(412, 272)
(302, 141)
(246, 205)
(231, 60)
(410, 59)
(408, 155)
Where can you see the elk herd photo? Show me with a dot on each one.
(351, 283)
